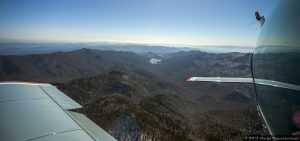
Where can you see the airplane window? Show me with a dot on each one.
(154, 70)
(277, 58)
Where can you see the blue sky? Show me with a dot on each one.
(186, 22)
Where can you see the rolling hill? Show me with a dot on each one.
(134, 99)
(160, 110)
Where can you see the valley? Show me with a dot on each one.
(134, 99)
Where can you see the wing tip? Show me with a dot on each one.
(190, 79)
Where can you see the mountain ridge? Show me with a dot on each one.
(122, 90)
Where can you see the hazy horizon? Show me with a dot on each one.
(204, 48)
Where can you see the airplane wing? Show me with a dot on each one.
(40, 112)
(245, 80)
(255, 81)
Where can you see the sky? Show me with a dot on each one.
(177, 22)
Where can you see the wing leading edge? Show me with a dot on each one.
(245, 80)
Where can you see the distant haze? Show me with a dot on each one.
(39, 48)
